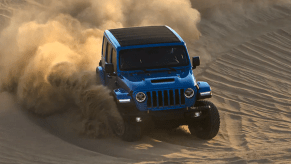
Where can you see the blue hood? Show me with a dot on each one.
(140, 81)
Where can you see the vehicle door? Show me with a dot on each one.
(111, 58)
(104, 58)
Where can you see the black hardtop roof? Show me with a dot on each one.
(144, 35)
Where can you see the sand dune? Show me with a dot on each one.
(245, 49)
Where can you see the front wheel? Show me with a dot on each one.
(208, 127)
(126, 130)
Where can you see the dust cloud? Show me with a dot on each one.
(50, 49)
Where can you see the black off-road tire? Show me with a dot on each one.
(128, 131)
(208, 127)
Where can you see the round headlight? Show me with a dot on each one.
(189, 93)
(140, 97)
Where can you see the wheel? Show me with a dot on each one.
(126, 130)
(208, 127)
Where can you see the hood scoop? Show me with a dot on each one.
(163, 80)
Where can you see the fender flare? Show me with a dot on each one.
(204, 90)
(121, 96)
(100, 71)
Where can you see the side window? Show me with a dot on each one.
(107, 52)
(104, 46)
(113, 59)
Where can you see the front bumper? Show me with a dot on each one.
(180, 115)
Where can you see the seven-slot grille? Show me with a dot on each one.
(165, 98)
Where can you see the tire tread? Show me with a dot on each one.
(214, 122)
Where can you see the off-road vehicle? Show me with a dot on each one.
(150, 74)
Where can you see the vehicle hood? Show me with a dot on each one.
(141, 81)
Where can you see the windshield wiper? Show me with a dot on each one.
(172, 69)
(146, 71)
(149, 71)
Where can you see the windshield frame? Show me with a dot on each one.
(155, 67)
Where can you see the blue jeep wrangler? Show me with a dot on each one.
(150, 74)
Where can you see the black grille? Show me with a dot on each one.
(165, 98)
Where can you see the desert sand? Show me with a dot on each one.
(245, 50)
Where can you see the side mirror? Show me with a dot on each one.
(109, 68)
(195, 62)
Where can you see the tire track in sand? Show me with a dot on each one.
(251, 84)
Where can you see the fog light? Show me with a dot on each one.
(138, 119)
(197, 114)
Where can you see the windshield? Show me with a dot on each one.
(153, 57)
